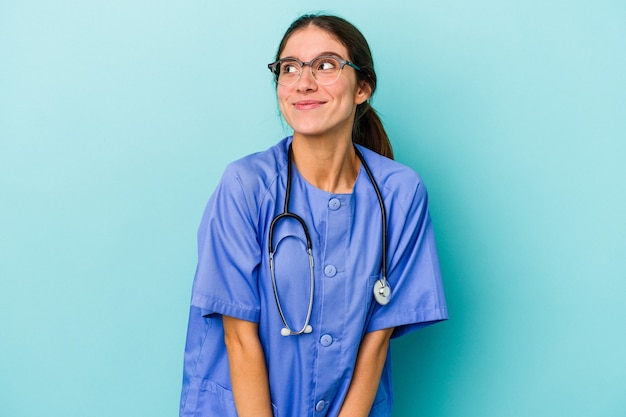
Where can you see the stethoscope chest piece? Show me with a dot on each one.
(382, 292)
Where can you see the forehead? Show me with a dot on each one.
(311, 41)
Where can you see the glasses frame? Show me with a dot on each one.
(274, 67)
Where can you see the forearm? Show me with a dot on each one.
(248, 370)
(367, 371)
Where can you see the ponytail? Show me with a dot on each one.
(368, 131)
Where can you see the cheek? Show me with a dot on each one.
(280, 93)
(281, 96)
(344, 92)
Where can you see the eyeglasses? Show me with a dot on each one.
(325, 69)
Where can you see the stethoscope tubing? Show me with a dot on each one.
(306, 328)
(287, 330)
(383, 214)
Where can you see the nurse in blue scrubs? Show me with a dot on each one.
(313, 253)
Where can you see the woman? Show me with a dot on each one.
(276, 330)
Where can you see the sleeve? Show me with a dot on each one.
(228, 254)
(417, 296)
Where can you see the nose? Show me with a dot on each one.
(306, 82)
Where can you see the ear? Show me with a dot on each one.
(362, 93)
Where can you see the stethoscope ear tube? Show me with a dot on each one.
(306, 328)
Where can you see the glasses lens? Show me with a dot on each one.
(288, 72)
(325, 70)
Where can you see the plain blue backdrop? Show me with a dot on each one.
(118, 117)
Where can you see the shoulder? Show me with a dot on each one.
(258, 171)
(393, 177)
(244, 184)
(247, 182)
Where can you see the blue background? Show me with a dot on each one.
(118, 117)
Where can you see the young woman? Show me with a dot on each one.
(312, 254)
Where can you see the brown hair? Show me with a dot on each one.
(368, 129)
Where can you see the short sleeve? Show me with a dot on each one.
(417, 296)
(228, 254)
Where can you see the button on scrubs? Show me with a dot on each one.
(309, 374)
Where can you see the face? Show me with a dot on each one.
(317, 110)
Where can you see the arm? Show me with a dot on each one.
(248, 371)
(368, 368)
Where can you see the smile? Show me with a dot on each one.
(308, 104)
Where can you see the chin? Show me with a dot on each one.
(306, 129)
(309, 133)
(315, 128)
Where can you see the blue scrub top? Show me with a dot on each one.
(309, 374)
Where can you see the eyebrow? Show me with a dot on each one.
(318, 55)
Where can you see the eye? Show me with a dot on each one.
(326, 64)
(289, 67)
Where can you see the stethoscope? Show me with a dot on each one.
(382, 291)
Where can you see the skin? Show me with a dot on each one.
(322, 118)
(248, 371)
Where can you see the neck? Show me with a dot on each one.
(328, 163)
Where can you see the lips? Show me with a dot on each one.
(308, 104)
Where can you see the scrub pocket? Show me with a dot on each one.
(217, 401)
